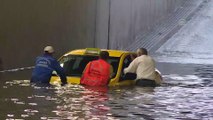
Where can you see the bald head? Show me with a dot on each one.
(142, 51)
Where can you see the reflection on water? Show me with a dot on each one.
(182, 96)
(82, 102)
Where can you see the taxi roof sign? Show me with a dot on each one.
(92, 51)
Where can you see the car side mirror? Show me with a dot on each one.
(129, 76)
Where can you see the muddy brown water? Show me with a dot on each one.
(185, 94)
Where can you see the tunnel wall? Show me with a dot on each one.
(131, 18)
(26, 26)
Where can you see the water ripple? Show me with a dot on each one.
(181, 96)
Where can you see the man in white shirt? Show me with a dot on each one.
(144, 67)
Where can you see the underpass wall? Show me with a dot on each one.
(26, 26)
(132, 18)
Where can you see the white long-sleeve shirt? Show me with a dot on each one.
(143, 66)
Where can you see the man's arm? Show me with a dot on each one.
(111, 74)
(111, 71)
(132, 67)
(60, 71)
(86, 69)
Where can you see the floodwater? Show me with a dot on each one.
(185, 94)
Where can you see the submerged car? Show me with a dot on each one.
(75, 61)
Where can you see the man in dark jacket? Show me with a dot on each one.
(44, 67)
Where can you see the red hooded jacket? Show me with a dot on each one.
(96, 73)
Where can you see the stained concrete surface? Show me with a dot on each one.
(28, 26)
(192, 44)
(186, 58)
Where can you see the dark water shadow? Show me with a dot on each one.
(205, 72)
(126, 102)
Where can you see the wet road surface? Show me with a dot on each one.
(186, 94)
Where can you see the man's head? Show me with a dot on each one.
(142, 51)
(49, 50)
(104, 55)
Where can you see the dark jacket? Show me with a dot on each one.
(44, 67)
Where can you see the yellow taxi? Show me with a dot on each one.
(75, 61)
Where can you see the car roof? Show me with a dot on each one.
(112, 53)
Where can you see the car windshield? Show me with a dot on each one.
(74, 64)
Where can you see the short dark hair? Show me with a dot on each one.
(143, 51)
(104, 55)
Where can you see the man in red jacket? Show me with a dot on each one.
(97, 72)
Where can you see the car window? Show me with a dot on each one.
(126, 62)
(74, 64)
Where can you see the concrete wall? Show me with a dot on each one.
(131, 18)
(26, 26)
